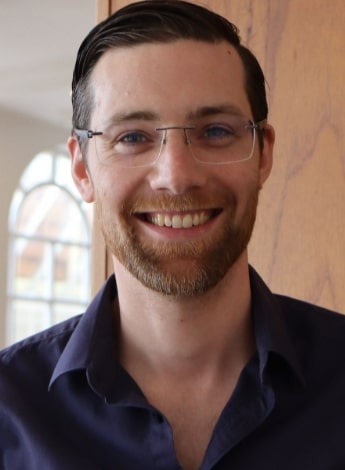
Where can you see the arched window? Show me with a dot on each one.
(49, 247)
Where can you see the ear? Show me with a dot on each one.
(266, 157)
(80, 172)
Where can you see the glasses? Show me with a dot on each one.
(213, 141)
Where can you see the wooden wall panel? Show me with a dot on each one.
(299, 241)
(103, 10)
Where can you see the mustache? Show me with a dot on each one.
(180, 203)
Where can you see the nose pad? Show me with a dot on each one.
(165, 137)
(176, 168)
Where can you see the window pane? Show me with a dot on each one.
(71, 272)
(65, 221)
(34, 209)
(33, 268)
(51, 213)
(49, 248)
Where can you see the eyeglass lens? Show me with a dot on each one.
(218, 140)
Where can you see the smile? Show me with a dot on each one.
(178, 221)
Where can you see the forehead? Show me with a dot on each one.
(169, 79)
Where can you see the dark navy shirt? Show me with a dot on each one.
(66, 404)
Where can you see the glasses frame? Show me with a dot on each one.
(255, 126)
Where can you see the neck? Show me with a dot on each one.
(164, 336)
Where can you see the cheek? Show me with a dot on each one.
(240, 178)
(105, 192)
(114, 188)
(244, 185)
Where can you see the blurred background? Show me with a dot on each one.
(45, 229)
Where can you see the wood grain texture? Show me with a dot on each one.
(299, 241)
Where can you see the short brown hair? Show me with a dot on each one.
(160, 21)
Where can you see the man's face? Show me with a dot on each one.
(177, 225)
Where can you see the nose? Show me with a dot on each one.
(176, 170)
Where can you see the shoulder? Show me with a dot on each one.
(302, 313)
(318, 333)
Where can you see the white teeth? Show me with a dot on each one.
(187, 221)
(160, 220)
(178, 221)
(196, 219)
(167, 221)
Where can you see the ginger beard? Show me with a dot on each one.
(181, 268)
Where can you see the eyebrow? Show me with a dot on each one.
(211, 110)
(125, 116)
(151, 116)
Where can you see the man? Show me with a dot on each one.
(184, 359)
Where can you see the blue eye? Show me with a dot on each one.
(133, 138)
(132, 142)
(218, 134)
(214, 132)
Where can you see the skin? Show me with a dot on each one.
(173, 338)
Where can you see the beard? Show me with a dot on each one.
(179, 268)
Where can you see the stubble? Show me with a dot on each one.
(179, 269)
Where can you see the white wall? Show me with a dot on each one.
(21, 138)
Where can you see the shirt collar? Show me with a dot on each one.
(92, 349)
(91, 336)
(271, 333)
(94, 337)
